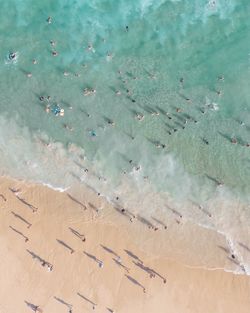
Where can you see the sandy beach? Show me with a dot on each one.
(62, 253)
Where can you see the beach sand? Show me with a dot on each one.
(178, 254)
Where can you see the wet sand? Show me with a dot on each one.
(103, 261)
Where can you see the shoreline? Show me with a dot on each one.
(142, 230)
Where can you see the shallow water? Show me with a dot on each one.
(172, 51)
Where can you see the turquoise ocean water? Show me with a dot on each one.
(153, 93)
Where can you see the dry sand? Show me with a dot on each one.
(77, 279)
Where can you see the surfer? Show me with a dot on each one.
(168, 115)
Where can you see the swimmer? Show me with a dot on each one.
(234, 140)
(110, 122)
(181, 80)
(47, 109)
(49, 19)
(61, 113)
(219, 93)
(206, 142)
(88, 91)
(212, 3)
(54, 53)
(126, 28)
(66, 126)
(52, 42)
(34, 61)
(41, 98)
(29, 75)
(118, 93)
(90, 47)
(140, 117)
(12, 56)
(221, 78)
(154, 113)
(109, 56)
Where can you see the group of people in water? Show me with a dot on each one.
(175, 121)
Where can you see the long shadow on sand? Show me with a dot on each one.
(135, 282)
